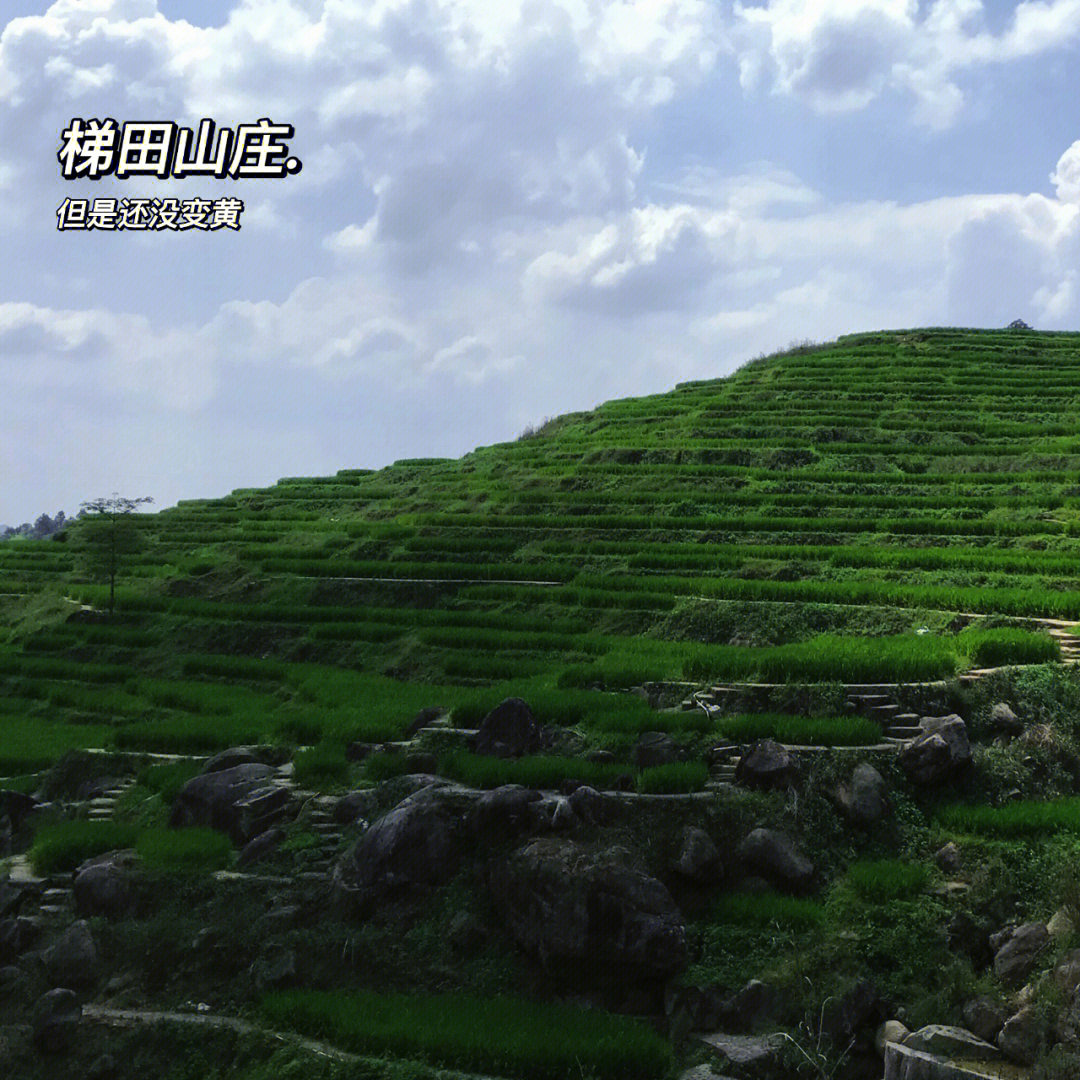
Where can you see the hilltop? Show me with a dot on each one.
(780, 659)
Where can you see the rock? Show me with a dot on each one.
(241, 801)
(505, 813)
(274, 968)
(414, 847)
(985, 1017)
(424, 718)
(1066, 973)
(355, 804)
(589, 805)
(948, 858)
(73, 959)
(229, 759)
(892, 1031)
(17, 806)
(941, 1040)
(842, 1018)
(904, 1063)
(1021, 1037)
(16, 936)
(775, 857)
(12, 981)
(510, 730)
(939, 753)
(601, 757)
(266, 843)
(699, 860)
(1004, 720)
(866, 799)
(103, 1067)
(567, 905)
(970, 935)
(563, 817)
(766, 765)
(1016, 958)
(747, 1055)
(357, 751)
(103, 885)
(1060, 925)
(55, 1016)
(655, 748)
(753, 1005)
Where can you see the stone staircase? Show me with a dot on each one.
(103, 807)
(876, 702)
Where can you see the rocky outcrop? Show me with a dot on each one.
(509, 731)
(55, 1019)
(655, 748)
(1015, 959)
(103, 885)
(865, 799)
(241, 801)
(699, 859)
(73, 959)
(416, 846)
(567, 905)
(939, 753)
(766, 765)
(774, 856)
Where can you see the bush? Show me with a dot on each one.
(62, 847)
(506, 1036)
(323, 765)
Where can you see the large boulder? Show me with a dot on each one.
(568, 905)
(1015, 960)
(1004, 721)
(984, 1017)
(1022, 1036)
(774, 856)
(766, 765)
(416, 846)
(55, 1017)
(103, 885)
(508, 731)
(242, 801)
(945, 1041)
(939, 753)
(699, 860)
(505, 813)
(655, 748)
(72, 960)
(865, 800)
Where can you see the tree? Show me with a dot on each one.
(108, 533)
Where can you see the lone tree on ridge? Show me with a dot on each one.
(107, 533)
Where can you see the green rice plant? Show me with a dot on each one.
(238, 667)
(1020, 818)
(673, 778)
(184, 850)
(764, 909)
(62, 847)
(537, 771)
(168, 778)
(386, 766)
(1006, 645)
(503, 1035)
(884, 880)
(185, 735)
(321, 766)
(800, 730)
(27, 743)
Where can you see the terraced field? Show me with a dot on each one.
(819, 550)
(927, 474)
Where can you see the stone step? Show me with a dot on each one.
(903, 731)
(56, 895)
(881, 712)
(906, 718)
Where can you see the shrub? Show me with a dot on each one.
(167, 779)
(323, 765)
(385, 766)
(502, 1035)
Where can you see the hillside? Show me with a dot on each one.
(866, 552)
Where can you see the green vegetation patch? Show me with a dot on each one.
(801, 730)
(763, 909)
(672, 779)
(1020, 818)
(882, 880)
(27, 743)
(538, 771)
(505, 1036)
(57, 848)
(184, 850)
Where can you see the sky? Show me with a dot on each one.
(506, 211)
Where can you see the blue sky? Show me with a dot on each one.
(507, 211)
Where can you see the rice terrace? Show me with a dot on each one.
(732, 731)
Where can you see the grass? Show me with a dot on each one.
(505, 1036)
(57, 848)
(27, 743)
(764, 909)
(800, 730)
(184, 850)
(538, 771)
(321, 766)
(884, 880)
(674, 778)
(1019, 818)
(167, 779)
